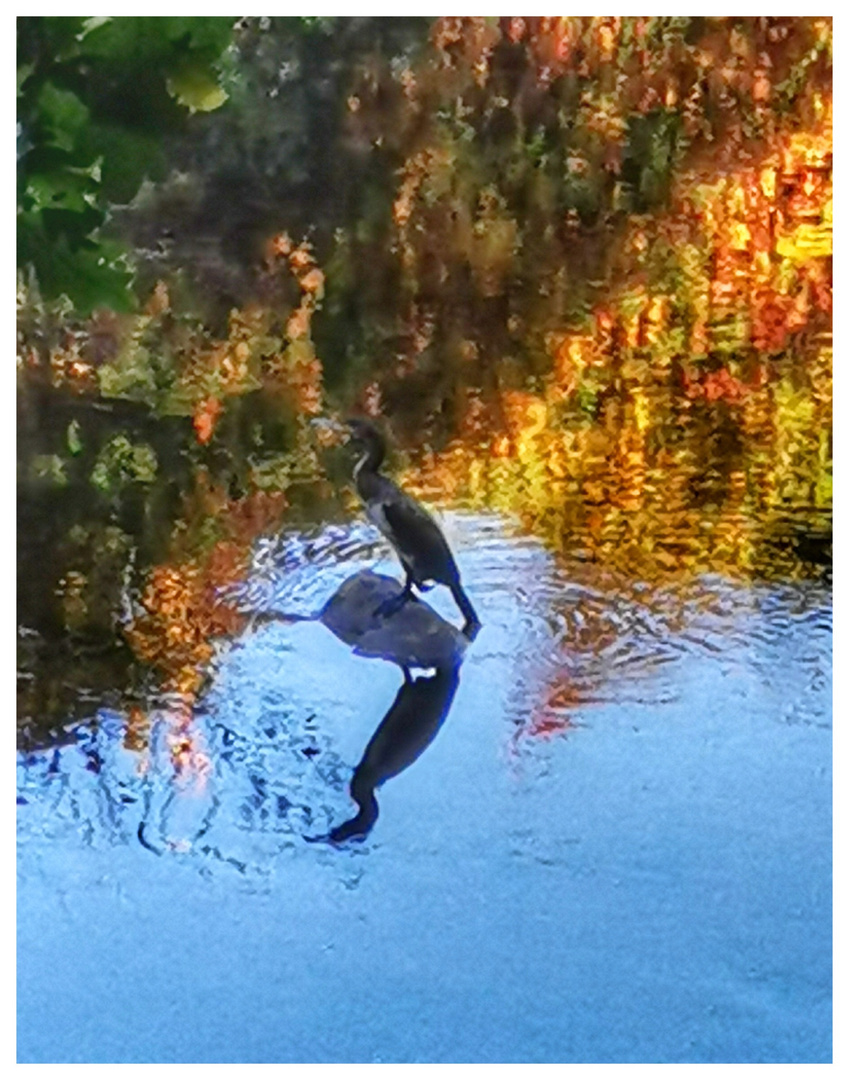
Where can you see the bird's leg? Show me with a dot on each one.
(395, 603)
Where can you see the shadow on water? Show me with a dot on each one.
(413, 635)
(364, 613)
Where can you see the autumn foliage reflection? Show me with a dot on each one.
(581, 266)
(182, 608)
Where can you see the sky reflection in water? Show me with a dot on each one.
(615, 847)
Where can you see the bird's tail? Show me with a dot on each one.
(465, 605)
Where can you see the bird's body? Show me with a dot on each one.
(409, 528)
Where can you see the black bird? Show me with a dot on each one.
(409, 528)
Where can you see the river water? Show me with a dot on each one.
(613, 845)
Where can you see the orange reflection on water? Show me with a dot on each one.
(183, 609)
(187, 747)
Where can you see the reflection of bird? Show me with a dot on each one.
(414, 718)
(413, 635)
(413, 533)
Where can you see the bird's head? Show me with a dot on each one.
(357, 430)
(366, 434)
(362, 430)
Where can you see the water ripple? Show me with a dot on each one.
(275, 739)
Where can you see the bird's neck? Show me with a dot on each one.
(371, 460)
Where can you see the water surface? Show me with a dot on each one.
(615, 848)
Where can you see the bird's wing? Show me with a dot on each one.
(419, 539)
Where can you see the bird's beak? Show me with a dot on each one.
(329, 431)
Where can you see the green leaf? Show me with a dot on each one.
(127, 38)
(96, 98)
(120, 462)
(210, 36)
(74, 226)
(93, 274)
(126, 159)
(52, 36)
(92, 24)
(129, 375)
(156, 37)
(24, 72)
(197, 89)
(62, 112)
(60, 191)
(49, 467)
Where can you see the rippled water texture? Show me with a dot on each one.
(614, 847)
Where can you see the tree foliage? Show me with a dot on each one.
(96, 99)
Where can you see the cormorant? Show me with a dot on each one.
(409, 528)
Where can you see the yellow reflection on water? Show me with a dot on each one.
(665, 483)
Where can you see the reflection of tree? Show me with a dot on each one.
(182, 610)
(696, 487)
(616, 640)
(173, 779)
(583, 264)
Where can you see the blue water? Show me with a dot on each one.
(616, 848)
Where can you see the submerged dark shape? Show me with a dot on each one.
(411, 635)
(409, 528)
(415, 716)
